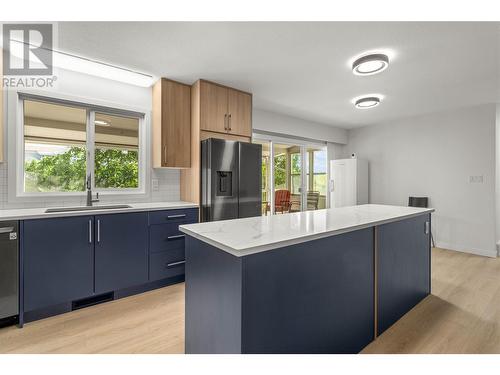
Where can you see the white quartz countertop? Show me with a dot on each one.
(256, 234)
(39, 213)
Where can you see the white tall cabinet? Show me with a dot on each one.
(348, 182)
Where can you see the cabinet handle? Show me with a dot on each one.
(426, 230)
(225, 121)
(90, 230)
(176, 263)
(164, 154)
(229, 122)
(176, 237)
(98, 230)
(175, 216)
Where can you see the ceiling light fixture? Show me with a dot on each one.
(366, 102)
(102, 123)
(370, 64)
(85, 65)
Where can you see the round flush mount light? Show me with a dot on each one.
(370, 64)
(366, 102)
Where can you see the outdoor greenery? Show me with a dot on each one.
(66, 171)
(116, 168)
(280, 171)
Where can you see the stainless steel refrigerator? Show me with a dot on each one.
(230, 179)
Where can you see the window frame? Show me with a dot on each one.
(91, 109)
(314, 174)
(296, 174)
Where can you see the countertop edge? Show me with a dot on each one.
(50, 215)
(298, 240)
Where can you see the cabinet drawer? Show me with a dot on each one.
(172, 216)
(166, 264)
(165, 237)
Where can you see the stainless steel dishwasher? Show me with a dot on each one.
(9, 271)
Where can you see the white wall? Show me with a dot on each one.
(286, 125)
(94, 90)
(433, 156)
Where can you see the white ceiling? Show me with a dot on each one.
(301, 68)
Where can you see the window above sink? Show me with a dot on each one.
(63, 142)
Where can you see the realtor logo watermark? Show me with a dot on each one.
(27, 56)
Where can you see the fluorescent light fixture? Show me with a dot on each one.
(92, 67)
(367, 101)
(102, 123)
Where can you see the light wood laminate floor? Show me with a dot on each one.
(461, 316)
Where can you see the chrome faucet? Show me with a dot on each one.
(89, 193)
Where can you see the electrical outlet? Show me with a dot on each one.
(476, 179)
(155, 184)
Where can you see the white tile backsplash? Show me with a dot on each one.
(168, 191)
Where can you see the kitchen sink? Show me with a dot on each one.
(86, 208)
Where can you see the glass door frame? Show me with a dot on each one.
(303, 145)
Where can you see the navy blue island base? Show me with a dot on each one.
(329, 295)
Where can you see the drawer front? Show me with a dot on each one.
(166, 264)
(174, 216)
(165, 237)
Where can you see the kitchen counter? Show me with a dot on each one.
(242, 237)
(325, 281)
(39, 213)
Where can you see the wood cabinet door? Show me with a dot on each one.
(176, 125)
(240, 113)
(213, 107)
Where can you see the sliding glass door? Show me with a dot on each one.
(288, 184)
(317, 179)
(265, 176)
(294, 175)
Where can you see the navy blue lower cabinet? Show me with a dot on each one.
(121, 251)
(58, 260)
(166, 264)
(404, 278)
(167, 243)
(165, 237)
(74, 262)
(313, 297)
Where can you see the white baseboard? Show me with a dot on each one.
(482, 252)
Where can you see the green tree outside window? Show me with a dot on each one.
(114, 168)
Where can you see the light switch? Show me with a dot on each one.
(476, 179)
(155, 185)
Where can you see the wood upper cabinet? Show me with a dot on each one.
(213, 107)
(240, 113)
(225, 110)
(171, 124)
(217, 111)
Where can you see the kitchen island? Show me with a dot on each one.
(325, 281)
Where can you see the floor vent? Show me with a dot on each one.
(9, 321)
(91, 301)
